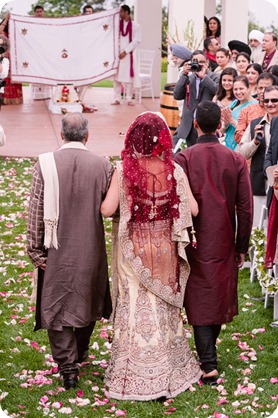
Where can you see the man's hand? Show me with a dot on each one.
(203, 72)
(122, 55)
(240, 259)
(186, 68)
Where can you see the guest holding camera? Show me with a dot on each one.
(196, 84)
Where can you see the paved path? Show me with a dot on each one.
(32, 129)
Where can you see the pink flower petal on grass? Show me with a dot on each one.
(56, 405)
(65, 410)
(274, 380)
(120, 413)
(103, 334)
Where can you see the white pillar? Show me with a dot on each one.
(149, 15)
(234, 23)
(186, 26)
(210, 8)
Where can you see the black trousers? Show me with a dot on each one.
(69, 346)
(205, 340)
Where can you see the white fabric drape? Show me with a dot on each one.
(76, 50)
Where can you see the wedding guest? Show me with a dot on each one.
(242, 62)
(252, 73)
(230, 115)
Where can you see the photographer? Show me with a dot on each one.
(4, 64)
(195, 85)
(255, 143)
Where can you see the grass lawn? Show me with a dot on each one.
(30, 385)
(109, 83)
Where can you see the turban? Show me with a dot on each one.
(239, 46)
(256, 34)
(181, 52)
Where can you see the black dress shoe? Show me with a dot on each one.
(70, 382)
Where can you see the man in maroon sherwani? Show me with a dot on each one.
(220, 183)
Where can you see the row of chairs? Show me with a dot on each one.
(146, 61)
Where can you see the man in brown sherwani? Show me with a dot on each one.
(219, 180)
(65, 241)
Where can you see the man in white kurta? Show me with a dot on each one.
(128, 72)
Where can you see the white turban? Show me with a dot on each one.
(256, 34)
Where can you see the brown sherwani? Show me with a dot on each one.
(220, 183)
(75, 289)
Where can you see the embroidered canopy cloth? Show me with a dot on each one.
(77, 50)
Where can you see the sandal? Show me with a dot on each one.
(210, 380)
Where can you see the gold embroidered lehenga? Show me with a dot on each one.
(150, 355)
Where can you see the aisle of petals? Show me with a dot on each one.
(250, 395)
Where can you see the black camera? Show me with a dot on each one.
(2, 50)
(195, 66)
(260, 134)
(2, 83)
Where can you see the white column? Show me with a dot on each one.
(210, 8)
(149, 15)
(186, 26)
(234, 23)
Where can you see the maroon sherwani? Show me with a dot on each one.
(220, 183)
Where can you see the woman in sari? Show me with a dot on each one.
(150, 357)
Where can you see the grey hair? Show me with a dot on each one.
(74, 127)
(270, 88)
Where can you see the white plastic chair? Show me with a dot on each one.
(40, 92)
(146, 60)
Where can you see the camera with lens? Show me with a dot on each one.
(195, 66)
(260, 134)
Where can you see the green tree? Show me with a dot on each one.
(56, 8)
(117, 3)
(164, 46)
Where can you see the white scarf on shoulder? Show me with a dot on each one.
(51, 194)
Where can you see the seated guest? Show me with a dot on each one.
(255, 110)
(269, 56)
(252, 73)
(230, 115)
(254, 144)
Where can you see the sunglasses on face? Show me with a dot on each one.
(275, 100)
